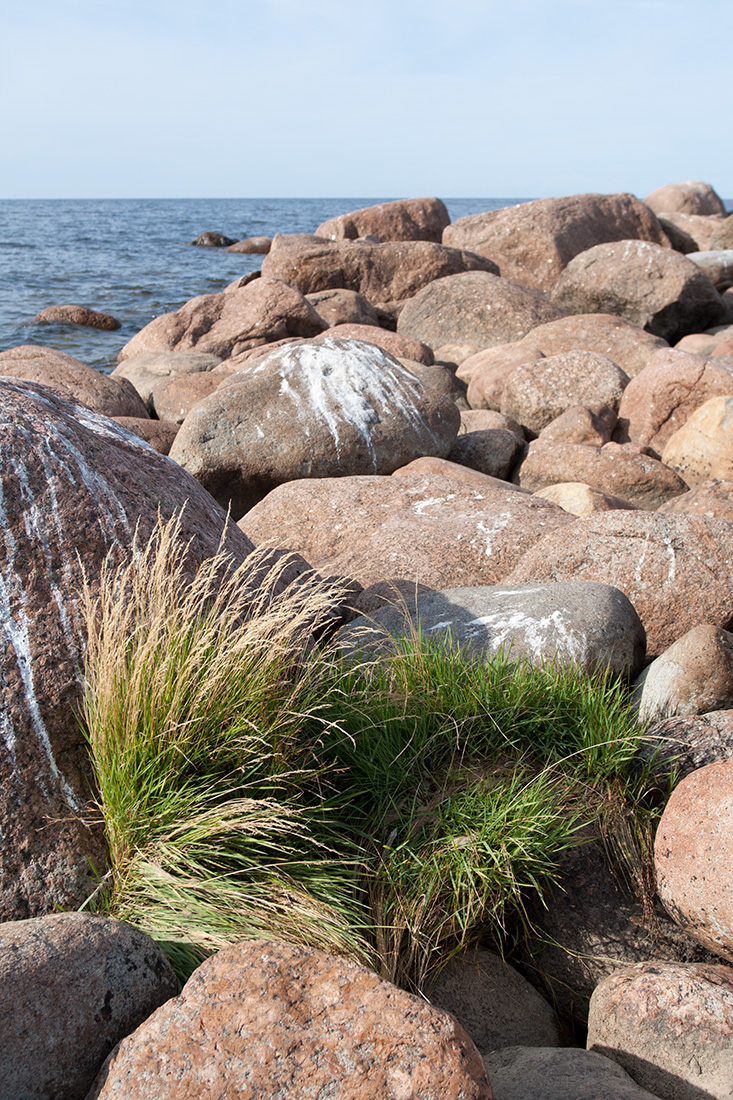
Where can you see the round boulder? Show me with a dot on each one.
(703, 447)
(536, 393)
(559, 1073)
(691, 677)
(626, 344)
(690, 197)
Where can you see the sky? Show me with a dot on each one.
(388, 98)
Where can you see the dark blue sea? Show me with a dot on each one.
(129, 257)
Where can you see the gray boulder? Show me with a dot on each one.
(526, 1073)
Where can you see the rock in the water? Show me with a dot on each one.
(252, 246)
(72, 986)
(211, 239)
(693, 676)
(656, 288)
(534, 241)
(69, 376)
(536, 393)
(402, 220)
(669, 1026)
(77, 315)
(322, 409)
(559, 1073)
(267, 1019)
(690, 197)
(703, 447)
(626, 344)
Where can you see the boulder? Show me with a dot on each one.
(677, 570)
(476, 308)
(680, 239)
(211, 239)
(692, 856)
(721, 235)
(173, 398)
(252, 246)
(654, 287)
(144, 371)
(559, 1073)
(343, 307)
(533, 242)
(77, 315)
(668, 1025)
(455, 471)
(493, 1002)
(72, 986)
(491, 367)
(383, 273)
(701, 229)
(441, 378)
(703, 447)
(434, 530)
(224, 324)
(712, 499)
(323, 409)
(74, 488)
(580, 500)
(626, 344)
(676, 747)
(402, 347)
(454, 354)
(591, 425)
(690, 197)
(706, 343)
(717, 265)
(536, 393)
(402, 220)
(617, 469)
(691, 677)
(493, 451)
(476, 420)
(66, 375)
(660, 400)
(268, 1019)
(591, 626)
(158, 433)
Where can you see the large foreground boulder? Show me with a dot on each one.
(271, 1020)
(323, 409)
(403, 220)
(74, 487)
(69, 376)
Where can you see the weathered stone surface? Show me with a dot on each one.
(212, 239)
(146, 370)
(158, 433)
(454, 354)
(656, 288)
(706, 343)
(680, 239)
(703, 447)
(536, 393)
(475, 307)
(454, 470)
(693, 850)
(564, 1073)
(534, 241)
(676, 570)
(690, 197)
(691, 677)
(626, 344)
(590, 425)
(702, 229)
(712, 499)
(402, 220)
(402, 347)
(717, 265)
(675, 747)
(72, 986)
(69, 376)
(580, 500)
(343, 307)
(659, 400)
(439, 378)
(589, 625)
(617, 469)
(224, 324)
(434, 530)
(493, 451)
(477, 420)
(74, 487)
(173, 398)
(494, 1003)
(76, 315)
(252, 246)
(669, 1026)
(486, 371)
(266, 1019)
(324, 409)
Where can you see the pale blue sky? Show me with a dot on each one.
(256, 98)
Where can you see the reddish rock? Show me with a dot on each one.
(439, 378)
(453, 355)
(158, 433)
(703, 447)
(691, 197)
(76, 315)
(701, 229)
(693, 676)
(717, 265)
(656, 288)
(403, 220)
(712, 499)
(626, 344)
(536, 393)
(721, 236)
(173, 398)
(476, 420)
(343, 307)
(74, 488)
(474, 308)
(72, 986)
(252, 246)
(266, 1019)
(224, 324)
(487, 372)
(454, 470)
(580, 500)
(402, 347)
(706, 343)
(383, 273)
(680, 240)
(493, 451)
(533, 242)
(144, 371)
(669, 1026)
(591, 425)
(69, 376)
(664, 395)
(431, 530)
(676, 570)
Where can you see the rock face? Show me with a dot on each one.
(712, 499)
(518, 1073)
(669, 1026)
(146, 370)
(692, 854)
(474, 308)
(536, 393)
(430, 529)
(73, 487)
(693, 676)
(590, 425)
(703, 447)
(676, 570)
(69, 376)
(580, 500)
(324, 409)
(691, 197)
(534, 241)
(389, 272)
(626, 344)
(403, 220)
(266, 1019)
(591, 626)
(72, 986)
(76, 315)
(655, 288)
(227, 323)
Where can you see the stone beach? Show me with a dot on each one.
(516, 429)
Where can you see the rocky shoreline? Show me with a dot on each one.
(516, 429)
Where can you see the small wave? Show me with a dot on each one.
(15, 244)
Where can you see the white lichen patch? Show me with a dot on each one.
(542, 635)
